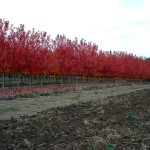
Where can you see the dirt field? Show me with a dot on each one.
(98, 118)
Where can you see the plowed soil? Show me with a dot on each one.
(116, 122)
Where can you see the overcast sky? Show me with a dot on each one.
(118, 25)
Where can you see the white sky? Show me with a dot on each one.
(111, 24)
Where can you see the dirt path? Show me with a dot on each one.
(30, 106)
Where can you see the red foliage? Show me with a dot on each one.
(35, 53)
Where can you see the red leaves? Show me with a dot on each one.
(14, 91)
(35, 53)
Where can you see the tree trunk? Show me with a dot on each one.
(69, 79)
(88, 79)
(49, 79)
(94, 79)
(30, 81)
(9, 82)
(41, 81)
(82, 79)
(21, 79)
(3, 83)
(76, 80)
(14, 77)
(61, 81)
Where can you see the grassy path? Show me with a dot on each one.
(31, 106)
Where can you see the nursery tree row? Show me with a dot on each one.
(36, 53)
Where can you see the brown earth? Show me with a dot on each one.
(93, 123)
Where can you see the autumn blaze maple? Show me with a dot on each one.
(35, 53)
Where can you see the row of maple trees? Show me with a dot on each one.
(36, 53)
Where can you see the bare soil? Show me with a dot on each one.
(90, 119)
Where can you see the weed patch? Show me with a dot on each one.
(12, 109)
(46, 116)
(23, 121)
(92, 88)
(75, 97)
(132, 119)
(32, 95)
(7, 98)
(45, 94)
